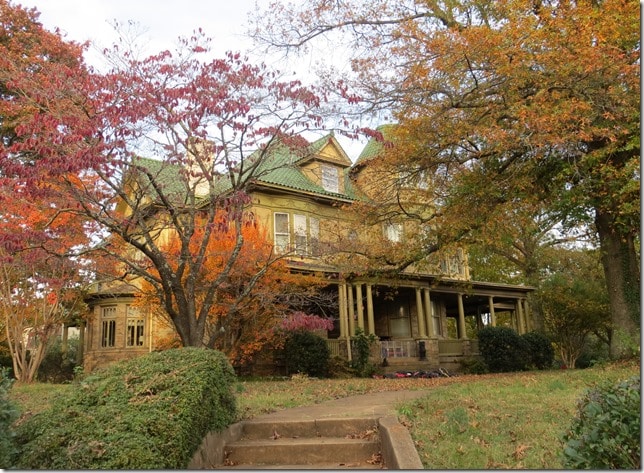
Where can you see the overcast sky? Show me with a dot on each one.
(163, 21)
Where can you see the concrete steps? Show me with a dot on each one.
(345, 443)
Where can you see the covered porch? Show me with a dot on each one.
(422, 322)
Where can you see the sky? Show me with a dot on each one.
(162, 22)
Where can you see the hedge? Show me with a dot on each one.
(8, 414)
(606, 432)
(503, 349)
(306, 353)
(151, 412)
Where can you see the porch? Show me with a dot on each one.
(414, 354)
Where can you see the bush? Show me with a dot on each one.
(8, 413)
(361, 345)
(473, 366)
(150, 412)
(541, 353)
(55, 367)
(605, 434)
(306, 353)
(503, 349)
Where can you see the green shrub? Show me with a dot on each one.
(339, 368)
(306, 353)
(541, 353)
(473, 366)
(57, 367)
(361, 344)
(8, 413)
(605, 434)
(150, 412)
(503, 349)
(5, 358)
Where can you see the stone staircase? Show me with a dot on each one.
(340, 443)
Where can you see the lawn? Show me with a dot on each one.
(496, 421)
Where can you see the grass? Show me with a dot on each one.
(512, 421)
(496, 421)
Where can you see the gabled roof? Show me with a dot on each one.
(374, 146)
(279, 169)
(282, 168)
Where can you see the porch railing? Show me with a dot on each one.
(450, 347)
(399, 348)
(406, 348)
(334, 347)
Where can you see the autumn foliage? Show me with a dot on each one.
(254, 300)
(500, 102)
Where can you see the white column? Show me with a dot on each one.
(370, 320)
(342, 312)
(420, 313)
(429, 319)
(462, 332)
(359, 306)
(492, 313)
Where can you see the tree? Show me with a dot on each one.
(44, 112)
(77, 137)
(45, 126)
(505, 100)
(210, 127)
(40, 287)
(254, 300)
(37, 296)
(574, 304)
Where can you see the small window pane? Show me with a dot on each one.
(330, 180)
(314, 232)
(281, 237)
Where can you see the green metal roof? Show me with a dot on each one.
(279, 168)
(374, 146)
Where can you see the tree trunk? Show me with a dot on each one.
(621, 268)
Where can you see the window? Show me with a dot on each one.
(134, 335)
(282, 236)
(393, 232)
(306, 234)
(436, 318)
(453, 264)
(108, 326)
(314, 234)
(330, 181)
(299, 229)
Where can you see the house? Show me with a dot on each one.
(424, 316)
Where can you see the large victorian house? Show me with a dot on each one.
(424, 316)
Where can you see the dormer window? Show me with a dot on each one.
(330, 179)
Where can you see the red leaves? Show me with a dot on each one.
(301, 321)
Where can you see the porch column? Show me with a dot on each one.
(360, 307)
(462, 332)
(492, 314)
(520, 318)
(429, 319)
(342, 309)
(371, 325)
(351, 306)
(422, 332)
(81, 342)
(527, 314)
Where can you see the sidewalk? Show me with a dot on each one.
(364, 405)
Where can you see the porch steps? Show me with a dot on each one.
(321, 444)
